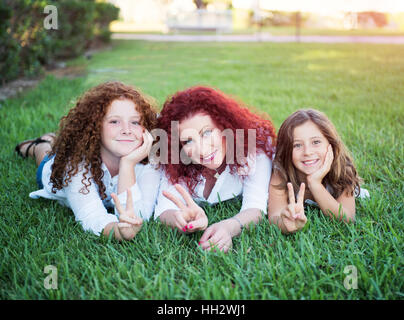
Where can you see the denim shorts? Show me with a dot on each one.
(39, 171)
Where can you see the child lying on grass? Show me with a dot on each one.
(100, 151)
(311, 159)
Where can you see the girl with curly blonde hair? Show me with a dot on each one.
(312, 161)
(98, 159)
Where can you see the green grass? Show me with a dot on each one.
(360, 88)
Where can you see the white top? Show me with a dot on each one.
(254, 188)
(89, 209)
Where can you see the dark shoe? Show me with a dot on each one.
(32, 143)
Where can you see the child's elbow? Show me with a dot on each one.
(350, 218)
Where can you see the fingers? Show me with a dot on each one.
(207, 234)
(149, 136)
(198, 224)
(185, 194)
(301, 217)
(174, 199)
(291, 193)
(180, 222)
(117, 203)
(288, 213)
(300, 197)
(129, 201)
(133, 221)
(124, 225)
(217, 242)
(330, 155)
(147, 140)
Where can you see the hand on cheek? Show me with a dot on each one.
(318, 176)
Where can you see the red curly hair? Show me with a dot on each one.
(78, 144)
(226, 113)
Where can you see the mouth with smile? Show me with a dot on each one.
(209, 158)
(310, 163)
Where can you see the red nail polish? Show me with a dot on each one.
(191, 226)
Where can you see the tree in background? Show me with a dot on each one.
(26, 46)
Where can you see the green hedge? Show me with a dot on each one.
(26, 46)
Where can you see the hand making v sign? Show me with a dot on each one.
(293, 216)
(190, 217)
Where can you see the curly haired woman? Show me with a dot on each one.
(100, 153)
(218, 160)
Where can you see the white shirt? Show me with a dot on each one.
(254, 188)
(89, 209)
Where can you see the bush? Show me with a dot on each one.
(26, 46)
(9, 48)
(104, 14)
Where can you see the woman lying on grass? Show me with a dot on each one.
(311, 155)
(206, 171)
(100, 151)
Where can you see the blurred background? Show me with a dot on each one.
(277, 16)
(26, 47)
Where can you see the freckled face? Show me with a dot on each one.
(121, 130)
(309, 148)
(202, 141)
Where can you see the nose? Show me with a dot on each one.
(205, 148)
(308, 150)
(125, 129)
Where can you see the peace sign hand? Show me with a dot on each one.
(293, 216)
(129, 223)
(190, 217)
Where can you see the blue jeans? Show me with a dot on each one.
(39, 171)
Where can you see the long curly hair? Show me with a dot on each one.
(78, 143)
(342, 175)
(227, 114)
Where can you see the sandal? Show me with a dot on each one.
(32, 143)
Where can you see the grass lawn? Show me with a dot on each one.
(360, 87)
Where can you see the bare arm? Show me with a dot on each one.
(127, 177)
(278, 200)
(334, 208)
(344, 205)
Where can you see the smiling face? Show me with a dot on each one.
(121, 130)
(309, 148)
(202, 141)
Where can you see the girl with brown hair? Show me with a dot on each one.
(101, 151)
(312, 161)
